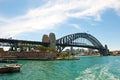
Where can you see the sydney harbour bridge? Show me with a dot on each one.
(84, 40)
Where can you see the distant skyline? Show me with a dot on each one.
(30, 19)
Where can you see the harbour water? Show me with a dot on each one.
(87, 68)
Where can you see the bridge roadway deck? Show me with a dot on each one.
(13, 41)
(73, 45)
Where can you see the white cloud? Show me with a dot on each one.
(54, 13)
(75, 26)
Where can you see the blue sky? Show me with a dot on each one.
(30, 19)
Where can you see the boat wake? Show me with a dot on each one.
(97, 72)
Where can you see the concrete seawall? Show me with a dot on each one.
(31, 55)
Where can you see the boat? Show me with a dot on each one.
(10, 68)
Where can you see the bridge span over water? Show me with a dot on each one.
(72, 40)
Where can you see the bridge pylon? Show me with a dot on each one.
(104, 51)
(51, 39)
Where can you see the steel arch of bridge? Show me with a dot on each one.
(68, 41)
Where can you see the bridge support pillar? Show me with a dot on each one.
(59, 48)
(71, 49)
(11, 48)
(104, 52)
(15, 46)
(52, 40)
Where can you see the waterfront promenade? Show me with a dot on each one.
(30, 55)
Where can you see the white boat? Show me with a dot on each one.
(13, 65)
(10, 68)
